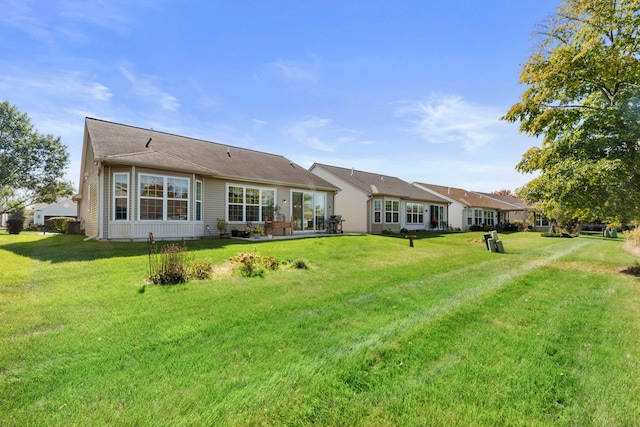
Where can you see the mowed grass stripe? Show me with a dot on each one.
(443, 333)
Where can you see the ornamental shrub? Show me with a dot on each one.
(252, 264)
(201, 271)
(170, 266)
(57, 224)
(15, 223)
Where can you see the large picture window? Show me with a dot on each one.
(415, 213)
(391, 211)
(164, 198)
(248, 204)
(121, 197)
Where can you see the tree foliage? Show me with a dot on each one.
(583, 99)
(31, 164)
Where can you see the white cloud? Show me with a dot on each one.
(449, 119)
(304, 132)
(19, 14)
(144, 87)
(322, 135)
(55, 22)
(61, 85)
(258, 124)
(107, 14)
(296, 71)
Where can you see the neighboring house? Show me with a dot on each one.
(373, 203)
(135, 181)
(522, 212)
(63, 207)
(515, 210)
(469, 208)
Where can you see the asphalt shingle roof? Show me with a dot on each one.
(381, 185)
(123, 144)
(468, 198)
(516, 203)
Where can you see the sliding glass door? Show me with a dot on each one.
(308, 211)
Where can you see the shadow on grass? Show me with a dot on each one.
(419, 234)
(56, 248)
(437, 234)
(634, 270)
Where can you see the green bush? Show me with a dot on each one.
(57, 224)
(15, 223)
(15, 226)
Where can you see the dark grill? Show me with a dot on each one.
(335, 224)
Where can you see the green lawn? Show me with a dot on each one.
(375, 333)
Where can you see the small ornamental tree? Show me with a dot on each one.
(15, 223)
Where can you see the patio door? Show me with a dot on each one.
(438, 220)
(308, 211)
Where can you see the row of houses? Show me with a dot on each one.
(134, 181)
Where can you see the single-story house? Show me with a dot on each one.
(136, 181)
(63, 207)
(515, 210)
(373, 203)
(469, 208)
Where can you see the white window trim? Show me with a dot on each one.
(121, 197)
(196, 200)
(374, 210)
(165, 199)
(419, 213)
(392, 212)
(244, 201)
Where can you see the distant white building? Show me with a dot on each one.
(64, 207)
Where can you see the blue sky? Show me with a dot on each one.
(408, 88)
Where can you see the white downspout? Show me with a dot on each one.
(100, 201)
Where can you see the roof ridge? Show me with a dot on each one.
(360, 171)
(184, 137)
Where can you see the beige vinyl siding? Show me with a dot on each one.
(91, 216)
(350, 202)
(104, 192)
(354, 207)
(213, 194)
(88, 205)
